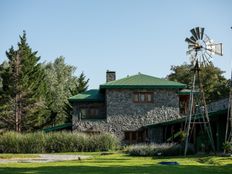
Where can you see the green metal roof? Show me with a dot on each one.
(90, 95)
(141, 81)
(186, 92)
(58, 127)
(197, 116)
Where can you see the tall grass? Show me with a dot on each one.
(165, 149)
(11, 142)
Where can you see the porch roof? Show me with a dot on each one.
(90, 95)
(58, 127)
(180, 120)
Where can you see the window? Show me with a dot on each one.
(83, 112)
(94, 111)
(149, 97)
(91, 113)
(136, 97)
(143, 97)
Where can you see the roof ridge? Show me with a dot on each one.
(142, 80)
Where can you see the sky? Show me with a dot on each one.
(126, 36)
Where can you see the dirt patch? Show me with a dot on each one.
(46, 158)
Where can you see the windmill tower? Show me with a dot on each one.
(228, 134)
(200, 51)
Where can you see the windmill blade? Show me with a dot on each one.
(194, 33)
(209, 54)
(202, 32)
(197, 29)
(205, 59)
(190, 46)
(191, 51)
(192, 38)
(193, 59)
(190, 41)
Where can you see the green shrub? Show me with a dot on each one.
(31, 143)
(227, 146)
(103, 142)
(11, 142)
(165, 149)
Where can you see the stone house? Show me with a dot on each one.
(126, 106)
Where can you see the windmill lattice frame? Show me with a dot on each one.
(200, 50)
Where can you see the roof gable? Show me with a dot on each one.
(142, 81)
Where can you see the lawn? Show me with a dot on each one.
(121, 163)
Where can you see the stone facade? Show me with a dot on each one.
(123, 114)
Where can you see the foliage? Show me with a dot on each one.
(34, 95)
(62, 84)
(165, 149)
(215, 85)
(39, 142)
(80, 86)
(227, 146)
(21, 96)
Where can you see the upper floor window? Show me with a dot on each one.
(91, 113)
(143, 97)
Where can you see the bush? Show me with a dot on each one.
(227, 146)
(11, 142)
(166, 149)
(31, 143)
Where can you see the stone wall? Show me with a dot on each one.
(122, 114)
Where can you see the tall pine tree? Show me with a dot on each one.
(22, 95)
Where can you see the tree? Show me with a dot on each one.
(62, 84)
(21, 98)
(81, 85)
(215, 85)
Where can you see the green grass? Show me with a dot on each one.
(121, 163)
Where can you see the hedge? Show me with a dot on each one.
(40, 142)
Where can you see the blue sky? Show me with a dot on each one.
(127, 36)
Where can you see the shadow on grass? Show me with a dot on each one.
(148, 169)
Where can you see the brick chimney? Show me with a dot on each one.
(110, 76)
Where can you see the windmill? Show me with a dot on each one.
(200, 51)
